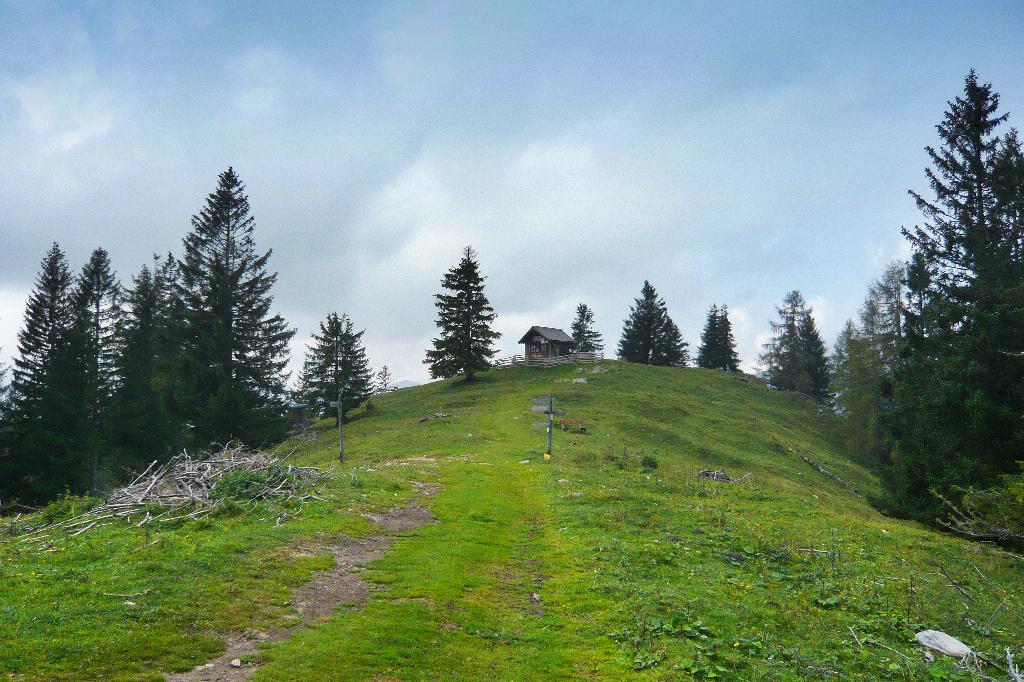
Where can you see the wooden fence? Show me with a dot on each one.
(570, 359)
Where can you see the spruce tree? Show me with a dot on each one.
(169, 358)
(707, 353)
(44, 415)
(649, 336)
(585, 339)
(144, 428)
(782, 360)
(97, 310)
(726, 357)
(670, 350)
(957, 387)
(234, 350)
(815, 359)
(794, 359)
(464, 318)
(336, 364)
(718, 346)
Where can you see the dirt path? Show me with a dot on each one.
(316, 600)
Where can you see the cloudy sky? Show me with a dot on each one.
(727, 152)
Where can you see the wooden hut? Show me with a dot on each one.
(546, 342)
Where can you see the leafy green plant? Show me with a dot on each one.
(246, 484)
(66, 507)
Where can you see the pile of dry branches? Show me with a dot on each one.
(185, 487)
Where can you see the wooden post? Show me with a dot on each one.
(338, 402)
(341, 425)
(551, 419)
(341, 431)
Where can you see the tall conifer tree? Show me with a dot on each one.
(169, 358)
(336, 365)
(585, 339)
(718, 346)
(815, 359)
(649, 336)
(144, 428)
(464, 318)
(234, 349)
(794, 359)
(958, 389)
(43, 411)
(97, 304)
(728, 358)
(707, 352)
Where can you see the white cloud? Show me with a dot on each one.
(266, 78)
(65, 109)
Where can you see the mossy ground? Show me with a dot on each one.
(589, 565)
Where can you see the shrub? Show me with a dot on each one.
(648, 462)
(67, 506)
(241, 484)
(245, 484)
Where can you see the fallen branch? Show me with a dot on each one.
(855, 637)
(830, 474)
(953, 583)
(884, 646)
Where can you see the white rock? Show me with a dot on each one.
(525, 461)
(943, 643)
(580, 380)
(236, 663)
(129, 602)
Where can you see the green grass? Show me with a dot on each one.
(645, 573)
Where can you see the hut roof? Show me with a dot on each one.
(549, 333)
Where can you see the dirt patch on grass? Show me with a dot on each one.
(401, 519)
(315, 601)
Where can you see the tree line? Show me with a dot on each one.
(465, 342)
(190, 353)
(108, 378)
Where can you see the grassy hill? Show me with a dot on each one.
(595, 564)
